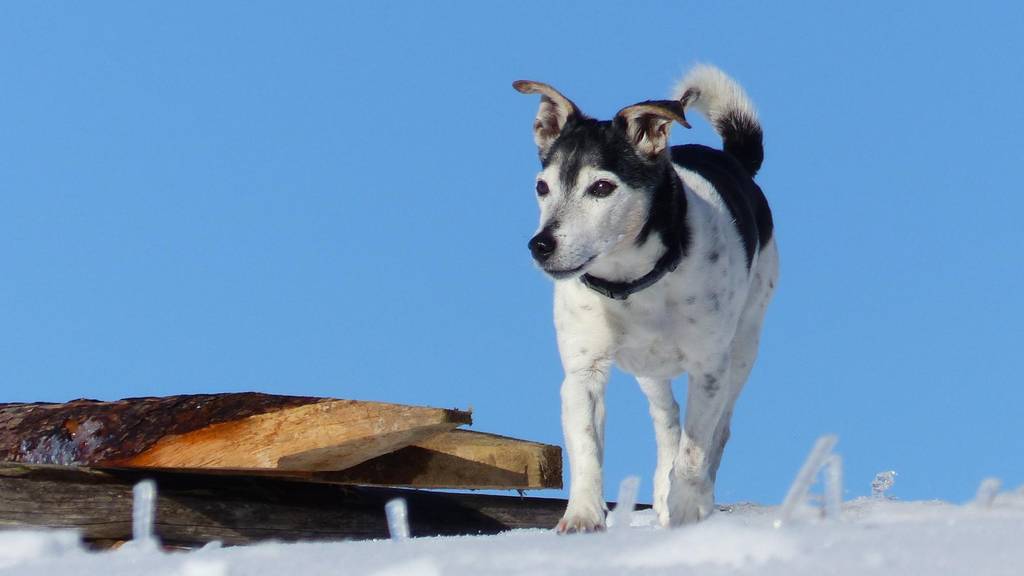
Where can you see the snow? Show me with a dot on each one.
(24, 546)
(57, 449)
(873, 536)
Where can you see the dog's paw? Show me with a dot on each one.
(664, 519)
(660, 502)
(586, 518)
(689, 500)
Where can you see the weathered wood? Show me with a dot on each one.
(216, 431)
(193, 509)
(459, 459)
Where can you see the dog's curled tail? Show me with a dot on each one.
(726, 106)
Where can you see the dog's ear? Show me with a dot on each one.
(555, 112)
(647, 124)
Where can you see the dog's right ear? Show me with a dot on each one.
(555, 112)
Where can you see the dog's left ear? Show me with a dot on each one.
(647, 124)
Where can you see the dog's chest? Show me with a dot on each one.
(674, 326)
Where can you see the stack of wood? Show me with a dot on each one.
(245, 467)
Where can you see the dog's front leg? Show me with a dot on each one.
(692, 489)
(665, 415)
(583, 425)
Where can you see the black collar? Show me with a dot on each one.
(621, 290)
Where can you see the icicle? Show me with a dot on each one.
(805, 478)
(143, 509)
(622, 516)
(834, 487)
(398, 519)
(883, 482)
(987, 491)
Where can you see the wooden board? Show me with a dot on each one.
(193, 509)
(216, 431)
(460, 459)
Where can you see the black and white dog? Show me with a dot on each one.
(664, 262)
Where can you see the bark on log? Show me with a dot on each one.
(193, 509)
(216, 431)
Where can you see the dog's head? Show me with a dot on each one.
(597, 182)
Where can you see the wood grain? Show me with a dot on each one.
(193, 509)
(460, 459)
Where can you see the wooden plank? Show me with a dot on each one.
(193, 509)
(460, 459)
(216, 431)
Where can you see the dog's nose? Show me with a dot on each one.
(542, 246)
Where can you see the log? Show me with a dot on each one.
(193, 509)
(459, 459)
(241, 431)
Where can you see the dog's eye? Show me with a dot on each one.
(601, 188)
(542, 188)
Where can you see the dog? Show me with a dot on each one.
(664, 262)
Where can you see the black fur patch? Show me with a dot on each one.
(733, 182)
(603, 144)
(711, 385)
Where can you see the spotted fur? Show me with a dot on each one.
(703, 318)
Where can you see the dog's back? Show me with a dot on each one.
(740, 193)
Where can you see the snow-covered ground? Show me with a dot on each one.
(873, 536)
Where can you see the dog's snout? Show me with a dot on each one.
(543, 245)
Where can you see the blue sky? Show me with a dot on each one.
(334, 199)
